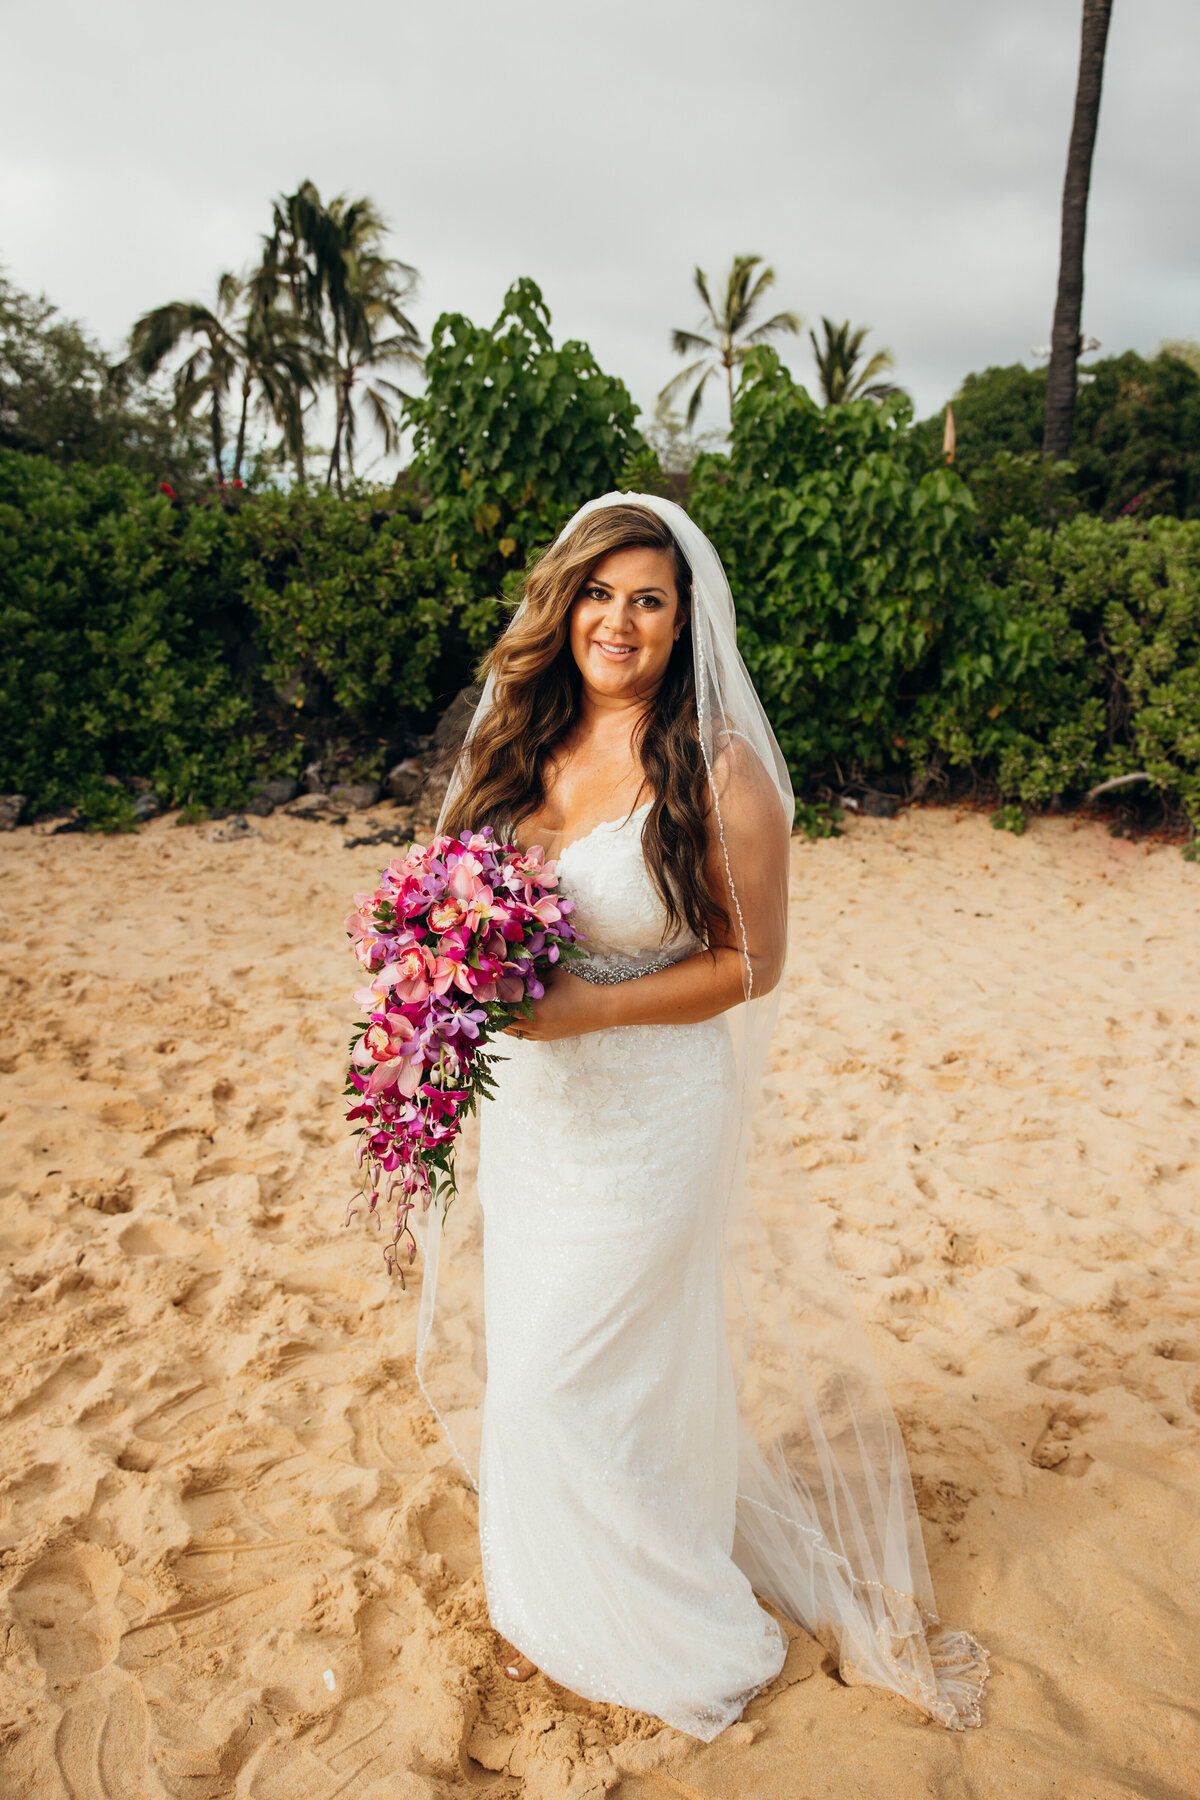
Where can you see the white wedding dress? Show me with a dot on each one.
(646, 1237)
(609, 1455)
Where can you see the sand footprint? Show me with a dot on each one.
(65, 1603)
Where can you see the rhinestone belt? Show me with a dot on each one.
(610, 969)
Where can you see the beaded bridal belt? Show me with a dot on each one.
(605, 970)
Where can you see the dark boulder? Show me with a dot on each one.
(405, 781)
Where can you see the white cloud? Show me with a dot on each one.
(900, 164)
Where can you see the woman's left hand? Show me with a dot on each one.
(568, 1008)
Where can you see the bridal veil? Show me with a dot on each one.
(827, 1524)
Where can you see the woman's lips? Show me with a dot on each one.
(615, 653)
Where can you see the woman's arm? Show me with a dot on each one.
(747, 871)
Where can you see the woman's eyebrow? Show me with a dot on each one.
(607, 586)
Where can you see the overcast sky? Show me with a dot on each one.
(898, 161)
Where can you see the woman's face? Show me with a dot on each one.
(625, 622)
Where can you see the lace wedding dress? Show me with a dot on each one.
(678, 1409)
(608, 1463)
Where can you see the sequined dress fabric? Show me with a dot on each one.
(608, 1466)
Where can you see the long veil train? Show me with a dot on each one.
(827, 1524)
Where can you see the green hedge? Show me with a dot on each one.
(854, 568)
(892, 642)
(140, 637)
(201, 646)
(342, 595)
(111, 657)
(1109, 679)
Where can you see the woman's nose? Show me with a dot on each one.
(619, 615)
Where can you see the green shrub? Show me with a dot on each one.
(1135, 446)
(1109, 613)
(512, 434)
(853, 566)
(344, 596)
(111, 659)
(144, 638)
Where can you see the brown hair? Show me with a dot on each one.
(535, 701)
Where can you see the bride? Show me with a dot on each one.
(681, 1414)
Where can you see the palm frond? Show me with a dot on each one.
(667, 394)
(693, 406)
(784, 321)
(684, 341)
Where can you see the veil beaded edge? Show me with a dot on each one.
(827, 1523)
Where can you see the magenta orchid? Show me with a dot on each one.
(456, 941)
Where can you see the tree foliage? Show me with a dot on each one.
(60, 398)
(1109, 682)
(852, 564)
(727, 332)
(1136, 442)
(512, 434)
(348, 602)
(112, 603)
(143, 637)
(844, 371)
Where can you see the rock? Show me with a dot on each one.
(235, 831)
(54, 823)
(279, 792)
(880, 806)
(11, 806)
(405, 781)
(433, 793)
(452, 726)
(397, 833)
(146, 806)
(355, 796)
(262, 806)
(139, 784)
(321, 807)
(313, 781)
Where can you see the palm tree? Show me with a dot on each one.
(281, 362)
(731, 340)
(328, 261)
(838, 360)
(287, 280)
(369, 331)
(241, 346)
(210, 367)
(1068, 306)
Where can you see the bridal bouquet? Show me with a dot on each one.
(455, 939)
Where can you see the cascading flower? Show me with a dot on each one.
(455, 939)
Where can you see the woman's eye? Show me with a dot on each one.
(650, 601)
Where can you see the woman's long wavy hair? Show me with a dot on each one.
(535, 702)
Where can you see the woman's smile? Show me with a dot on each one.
(614, 652)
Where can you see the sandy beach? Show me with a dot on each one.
(239, 1560)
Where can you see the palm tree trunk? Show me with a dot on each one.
(300, 441)
(1068, 310)
(727, 359)
(240, 451)
(335, 459)
(218, 439)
